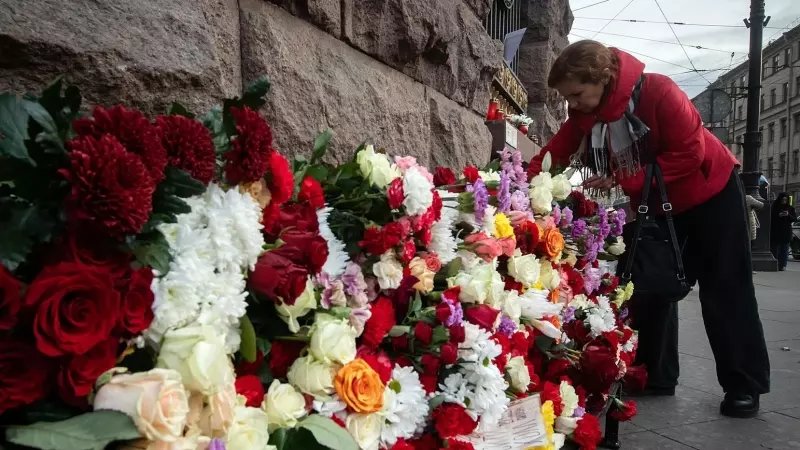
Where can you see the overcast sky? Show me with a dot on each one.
(785, 14)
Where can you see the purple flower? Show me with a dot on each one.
(605, 228)
(623, 314)
(456, 315)
(591, 247)
(566, 217)
(569, 314)
(579, 412)
(556, 213)
(481, 199)
(353, 280)
(216, 444)
(504, 194)
(591, 280)
(507, 326)
(520, 201)
(578, 229)
(618, 221)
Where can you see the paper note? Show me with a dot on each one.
(520, 427)
(511, 136)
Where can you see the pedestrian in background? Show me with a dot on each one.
(607, 131)
(783, 216)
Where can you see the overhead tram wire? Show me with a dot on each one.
(673, 23)
(640, 54)
(699, 47)
(589, 6)
(679, 40)
(615, 16)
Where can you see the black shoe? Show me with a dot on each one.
(653, 391)
(740, 406)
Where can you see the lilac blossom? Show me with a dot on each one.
(504, 194)
(520, 201)
(578, 229)
(566, 217)
(456, 314)
(481, 199)
(507, 326)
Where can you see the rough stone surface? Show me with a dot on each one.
(141, 53)
(330, 85)
(548, 20)
(544, 125)
(458, 136)
(481, 8)
(326, 14)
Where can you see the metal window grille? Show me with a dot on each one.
(505, 17)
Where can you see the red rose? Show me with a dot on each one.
(430, 364)
(282, 355)
(635, 378)
(598, 368)
(452, 294)
(400, 343)
(395, 194)
(556, 368)
(132, 129)
(449, 353)
(251, 388)
(452, 420)
(297, 216)
(379, 324)
(457, 334)
(483, 316)
(311, 192)
(577, 331)
(513, 285)
(248, 159)
(471, 174)
(189, 146)
(455, 444)
(83, 247)
(103, 179)
(378, 361)
(9, 299)
(244, 367)
(443, 176)
(587, 434)
(280, 179)
(305, 248)
(432, 262)
(26, 374)
(137, 303)
(443, 311)
(624, 412)
(278, 278)
(76, 307)
(424, 333)
(552, 393)
(78, 375)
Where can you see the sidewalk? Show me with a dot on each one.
(691, 419)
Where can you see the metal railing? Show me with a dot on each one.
(505, 17)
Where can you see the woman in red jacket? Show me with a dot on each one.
(707, 198)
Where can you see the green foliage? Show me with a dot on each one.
(151, 249)
(23, 224)
(176, 109)
(321, 145)
(14, 128)
(248, 336)
(90, 431)
(313, 433)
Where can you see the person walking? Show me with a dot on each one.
(783, 216)
(606, 132)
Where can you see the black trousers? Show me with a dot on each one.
(717, 254)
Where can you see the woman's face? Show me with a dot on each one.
(583, 97)
(785, 200)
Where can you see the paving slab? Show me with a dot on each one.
(767, 431)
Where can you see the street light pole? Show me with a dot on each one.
(763, 261)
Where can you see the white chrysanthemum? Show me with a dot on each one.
(600, 318)
(330, 406)
(234, 219)
(337, 256)
(631, 343)
(580, 301)
(454, 389)
(418, 192)
(486, 397)
(405, 406)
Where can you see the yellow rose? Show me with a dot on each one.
(283, 405)
(365, 429)
(502, 226)
(360, 387)
(419, 269)
(332, 340)
(249, 430)
(312, 377)
(306, 302)
(156, 401)
(198, 355)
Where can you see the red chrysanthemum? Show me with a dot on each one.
(311, 192)
(452, 420)
(132, 129)
(280, 179)
(110, 187)
(189, 146)
(587, 434)
(379, 324)
(248, 159)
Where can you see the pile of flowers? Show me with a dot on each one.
(177, 283)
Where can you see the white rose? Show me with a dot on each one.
(569, 399)
(518, 374)
(376, 167)
(333, 340)
(566, 425)
(418, 192)
(364, 159)
(155, 400)
(541, 200)
(283, 405)
(312, 377)
(618, 247)
(482, 284)
(526, 269)
(561, 187)
(306, 302)
(249, 430)
(512, 305)
(549, 276)
(198, 354)
(543, 180)
(389, 271)
(365, 429)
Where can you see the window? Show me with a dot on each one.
(797, 86)
(785, 97)
(760, 165)
(797, 123)
(764, 70)
(771, 128)
(761, 138)
(770, 166)
(787, 56)
(763, 104)
(743, 81)
(773, 97)
(782, 162)
(796, 162)
(776, 63)
(741, 112)
(784, 127)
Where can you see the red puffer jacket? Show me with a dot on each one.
(696, 165)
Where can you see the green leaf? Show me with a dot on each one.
(248, 345)
(263, 345)
(40, 115)
(213, 120)
(13, 128)
(152, 250)
(440, 335)
(317, 172)
(23, 224)
(176, 109)
(90, 431)
(279, 438)
(328, 433)
(544, 343)
(321, 145)
(255, 92)
(179, 183)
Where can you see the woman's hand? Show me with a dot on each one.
(599, 182)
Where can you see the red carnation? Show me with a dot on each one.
(282, 355)
(372, 241)
(131, 129)
(455, 444)
(557, 368)
(520, 343)
(379, 324)
(587, 434)
(394, 232)
(483, 316)
(311, 192)
(425, 236)
(443, 176)
(425, 442)
(598, 368)
(609, 284)
(78, 375)
(452, 420)
(9, 299)
(401, 444)
(189, 146)
(395, 193)
(110, 187)
(251, 388)
(278, 278)
(137, 303)
(280, 179)
(635, 379)
(409, 251)
(429, 382)
(551, 392)
(435, 209)
(471, 174)
(26, 374)
(248, 159)
(449, 353)
(424, 333)
(624, 412)
(577, 331)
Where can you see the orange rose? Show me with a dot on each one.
(552, 243)
(360, 387)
